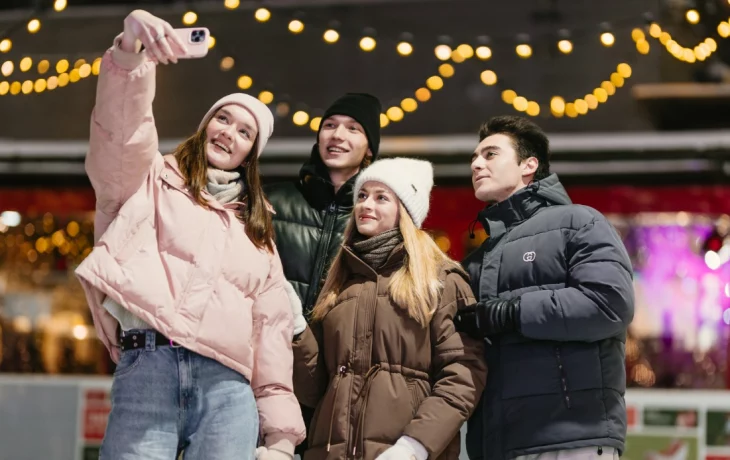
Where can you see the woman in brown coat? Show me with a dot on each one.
(381, 361)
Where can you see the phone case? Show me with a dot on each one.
(196, 39)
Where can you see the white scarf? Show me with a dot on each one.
(225, 186)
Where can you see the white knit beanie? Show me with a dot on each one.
(411, 180)
(262, 114)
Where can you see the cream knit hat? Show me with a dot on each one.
(411, 180)
(262, 114)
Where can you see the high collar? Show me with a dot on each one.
(318, 188)
(394, 261)
(497, 218)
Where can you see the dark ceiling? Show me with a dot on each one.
(308, 74)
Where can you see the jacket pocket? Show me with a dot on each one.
(128, 362)
(418, 391)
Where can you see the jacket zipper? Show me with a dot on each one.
(563, 376)
(340, 373)
(329, 224)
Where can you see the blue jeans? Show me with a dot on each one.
(169, 400)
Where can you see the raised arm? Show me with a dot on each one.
(123, 142)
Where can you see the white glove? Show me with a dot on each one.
(296, 308)
(262, 453)
(406, 448)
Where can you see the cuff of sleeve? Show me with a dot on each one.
(414, 446)
(127, 60)
(282, 442)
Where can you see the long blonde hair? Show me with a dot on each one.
(415, 286)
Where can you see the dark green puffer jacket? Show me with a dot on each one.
(309, 224)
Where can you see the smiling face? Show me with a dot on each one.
(230, 136)
(342, 143)
(376, 209)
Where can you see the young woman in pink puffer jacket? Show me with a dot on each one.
(184, 283)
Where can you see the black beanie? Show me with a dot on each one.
(363, 108)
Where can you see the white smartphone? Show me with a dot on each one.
(197, 40)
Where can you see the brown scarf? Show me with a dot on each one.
(375, 250)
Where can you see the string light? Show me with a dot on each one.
(592, 101)
(27, 87)
(520, 103)
(40, 85)
(96, 66)
(62, 66)
(580, 106)
(267, 97)
(227, 63)
(409, 104)
(367, 44)
(483, 52)
(211, 42)
(7, 68)
(524, 50)
(6, 45)
(508, 96)
(25, 64)
(488, 77)
(244, 82)
(384, 120)
(404, 48)
(723, 29)
(43, 66)
(282, 109)
(423, 94)
(533, 109)
(331, 36)
(190, 18)
(314, 123)
(565, 46)
(557, 106)
(296, 26)
(231, 4)
(34, 25)
(693, 17)
(434, 83)
(446, 70)
(699, 52)
(300, 118)
(394, 114)
(60, 5)
(607, 39)
(443, 52)
(465, 51)
(262, 15)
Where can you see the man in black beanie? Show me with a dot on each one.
(311, 213)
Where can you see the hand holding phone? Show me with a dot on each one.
(196, 41)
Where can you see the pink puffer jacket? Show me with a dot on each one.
(190, 272)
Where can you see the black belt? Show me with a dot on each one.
(137, 340)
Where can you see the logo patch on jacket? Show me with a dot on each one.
(529, 256)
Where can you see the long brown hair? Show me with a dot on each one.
(255, 215)
(415, 287)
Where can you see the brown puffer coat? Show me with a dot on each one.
(381, 375)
